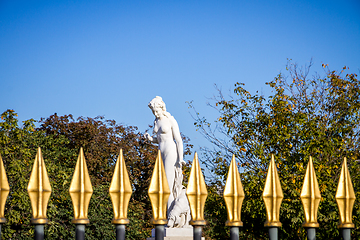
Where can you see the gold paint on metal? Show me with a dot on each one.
(233, 195)
(272, 196)
(120, 191)
(196, 193)
(81, 190)
(39, 190)
(310, 196)
(345, 198)
(159, 192)
(4, 191)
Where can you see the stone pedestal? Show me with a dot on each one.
(176, 234)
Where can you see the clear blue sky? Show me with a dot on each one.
(110, 58)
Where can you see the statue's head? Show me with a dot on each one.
(158, 107)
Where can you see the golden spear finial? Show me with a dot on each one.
(159, 192)
(272, 196)
(81, 190)
(4, 190)
(310, 196)
(39, 190)
(345, 198)
(120, 191)
(233, 195)
(196, 193)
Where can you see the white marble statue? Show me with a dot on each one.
(167, 135)
(180, 215)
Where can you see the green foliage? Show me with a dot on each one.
(17, 148)
(60, 138)
(215, 214)
(302, 117)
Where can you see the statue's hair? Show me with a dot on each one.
(157, 101)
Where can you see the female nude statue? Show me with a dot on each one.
(167, 135)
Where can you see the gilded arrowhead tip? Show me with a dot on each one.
(196, 193)
(39, 190)
(233, 195)
(120, 191)
(81, 190)
(159, 192)
(272, 196)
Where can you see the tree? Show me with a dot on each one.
(102, 139)
(303, 116)
(60, 138)
(18, 147)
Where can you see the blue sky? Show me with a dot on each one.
(110, 58)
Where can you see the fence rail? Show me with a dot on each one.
(120, 191)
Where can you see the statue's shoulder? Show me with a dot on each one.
(172, 119)
(174, 123)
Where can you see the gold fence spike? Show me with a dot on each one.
(80, 190)
(159, 192)
(272, 196)
(196, 193)
(233, 195)
(4, 191)
(120, 191)
(310, 196)
(39, 190)
(345, 198)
